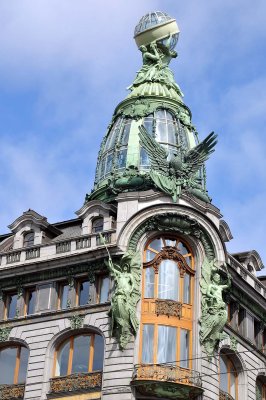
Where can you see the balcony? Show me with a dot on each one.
(12, 392)
(168, 381)
(89, 382)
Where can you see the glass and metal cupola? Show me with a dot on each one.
(127, 158)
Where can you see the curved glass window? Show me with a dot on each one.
(97, 225)
(228, 377)
(13, 364)
(166, 323)
(83, 353)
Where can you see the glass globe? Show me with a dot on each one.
(156, 25)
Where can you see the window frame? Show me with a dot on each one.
(231, 369)
(27, 293)
(17, 363)
(60, 286)
(7, 303)
(27, 243)
(71, 352)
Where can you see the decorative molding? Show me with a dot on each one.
(4, 333)
(168, 307)
(233, 343)
(76, 321)
(172, 222)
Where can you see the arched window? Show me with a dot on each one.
(79, 354)
(97, 225)
(28, 239)
(13, 364)
(228, 377)
(168, 272)
(261, 388)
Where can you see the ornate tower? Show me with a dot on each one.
(137, 298)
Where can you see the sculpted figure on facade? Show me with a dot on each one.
(155, 57)
(180, 172)
(213, 307)
(126, 294)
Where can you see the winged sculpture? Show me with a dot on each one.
(213, 307)
(126, 276)
(172, 173)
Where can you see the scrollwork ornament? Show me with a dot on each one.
(4, 333)
(76, 321)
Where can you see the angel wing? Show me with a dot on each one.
(199, 154)
(157, 154)
(135, 270)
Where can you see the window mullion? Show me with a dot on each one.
(70, 359)
(91, 355)
(17, 365)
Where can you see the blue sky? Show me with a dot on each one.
(64, 66)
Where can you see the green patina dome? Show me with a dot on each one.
(128, 160)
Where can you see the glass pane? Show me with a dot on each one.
(166, 344)
(12, 307)
(84, 291)
(160, 114)
(169, 116)
(7, 365)
(232, 384)
(144, 158)
(104, 289)
(147, 343)
(171, 134)
(186, 296)
(184, 348)
(64, 296)
(62, 359)
(182, 249)
(161, 132)
(29, 239)
(168, 281)
(170, 242)
(157, 244)
(149, 282)
(109, 161)
(31, 302)
(98, 353)
(97, 225)
(121, 158)
(223, 375)
(150, 255)
(125, 134)
(148, 124)
(24, 354)
(250, 326)
(81, 354)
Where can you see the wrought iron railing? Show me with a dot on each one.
(167, 373)
(76, 382)
(225, 396)
(11, 392)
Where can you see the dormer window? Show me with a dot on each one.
(28, 239)
(97, 225)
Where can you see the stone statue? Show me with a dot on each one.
(213, 307)
(126, 294)
(180, 172)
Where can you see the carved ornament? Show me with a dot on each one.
(170, 308)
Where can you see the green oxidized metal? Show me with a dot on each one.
(125, 161)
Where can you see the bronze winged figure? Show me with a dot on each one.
(177, 172)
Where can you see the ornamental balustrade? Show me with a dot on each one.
(50, 249)
(91, 381)
(11, 392)
(167, 373)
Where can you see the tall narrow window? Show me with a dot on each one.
(167, 314)
(104, 289)
(63, 290)
(83, 292)
(11, 305)
(228, 377)
(30, 301)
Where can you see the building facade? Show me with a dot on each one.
(137, 297)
